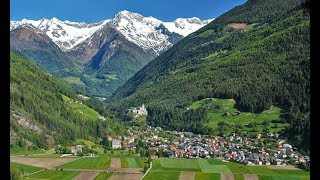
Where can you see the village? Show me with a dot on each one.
(241, 149)
(262, 149)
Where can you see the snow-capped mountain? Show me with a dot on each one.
(101, 55)
(186, 26)
(143, 31)
(65, 34)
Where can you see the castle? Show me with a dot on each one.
(138, 111)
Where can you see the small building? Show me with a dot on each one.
(116, 144)
(76, 150)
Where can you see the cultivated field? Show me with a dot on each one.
(54, 175)
(115, 163)
(213, 168)
(88, 163)
(41, 162)
(227, 177)
(130, 168)
(207, 176)
(251, 177)
(86, 175)
(162, 176)
(187, 175)
(26, 168)
(125, 177)
(132, 162)
(102, 176)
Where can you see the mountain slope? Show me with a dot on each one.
(114, 62)
(97, 58)
(39, 115)
(40, 48)
(258, 59)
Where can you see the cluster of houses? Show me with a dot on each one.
(242, 149)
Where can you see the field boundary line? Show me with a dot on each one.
(52, 167)
(147, 171)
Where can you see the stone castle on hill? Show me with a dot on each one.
(138, 111)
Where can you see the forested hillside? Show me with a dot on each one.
(40, 117)
(256, 53)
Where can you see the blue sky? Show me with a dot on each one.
(97, 10)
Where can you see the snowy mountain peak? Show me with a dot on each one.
(147, 32)
(65, 34)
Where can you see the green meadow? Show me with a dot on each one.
(85, 111)
(224, 110)
(24, 168)
(162, 176)
(132, 162)
(209, 168)
(88, 163)
(102, 176)
(54, 175)
(15, 151)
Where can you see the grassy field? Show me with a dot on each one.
(88, 163)
(73, 80)
(15, 151)
(112, 76)
(206, 167)
(135, 162)
(85, 111)
(162, 176)
(85, 142)
(100, 150)
(207, 176)
(195, 165)
(103, 176)
(209, 167)
(54, 174)
(184, 164)
(224, 110)
(25, 168)
(48, 155)
(238, 177)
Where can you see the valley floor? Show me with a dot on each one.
(116, 167)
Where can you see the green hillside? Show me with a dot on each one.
(39, 116)
(256, 54)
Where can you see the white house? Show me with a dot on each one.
(76, 150)
(116, 144)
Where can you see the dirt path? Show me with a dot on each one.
(250, 177)
(126, 177)
(227, 177)
(289, 167)
(187, 175)
(42, 162)
(86, 176)
(115, 163)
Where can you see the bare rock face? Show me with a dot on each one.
(21, 120)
